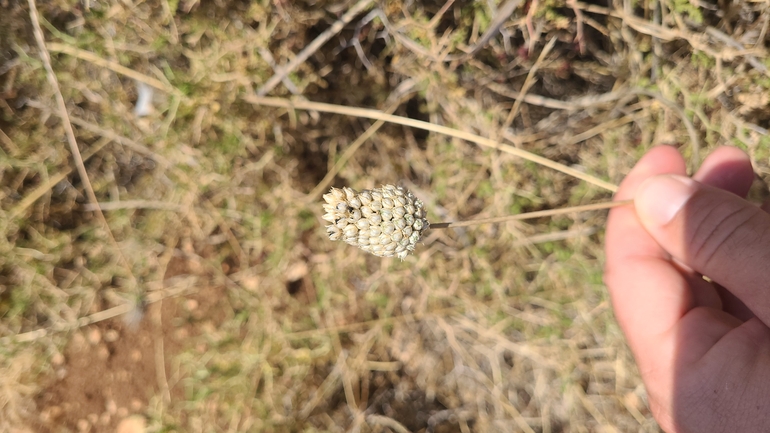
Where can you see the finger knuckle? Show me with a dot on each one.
(722, 231)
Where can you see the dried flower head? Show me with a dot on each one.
(387, 221)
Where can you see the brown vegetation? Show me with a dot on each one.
(208, 298)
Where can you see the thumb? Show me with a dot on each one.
(714, 232)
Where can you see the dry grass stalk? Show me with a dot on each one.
(374, 114)
(70, 133)
(127, 309)
(115, 67)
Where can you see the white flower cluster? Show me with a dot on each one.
(387, 221)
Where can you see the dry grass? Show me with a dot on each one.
(211, 199)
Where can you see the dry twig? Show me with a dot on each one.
(317, 43)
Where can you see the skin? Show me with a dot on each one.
(703, 348)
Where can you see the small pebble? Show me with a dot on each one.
(57, 359)
(78, 341)
(94, 336)
(111, 335)
(132, 424)
(83, 425)
(136, 405)
(50, 414)
(135, 355)
(111, 407)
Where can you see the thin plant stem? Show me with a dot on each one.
(77, 158)
(531, 215)
(426, 126)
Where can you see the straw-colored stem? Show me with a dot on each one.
(531, 215)
(427, 126)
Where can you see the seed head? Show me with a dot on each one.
(387, 221)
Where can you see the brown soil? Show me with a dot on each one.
(108, 371)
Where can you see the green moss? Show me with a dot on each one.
(687, 8)
(485, 190)
(379, 300)
(703, 60)
(547, 332)
(548, 247)
(307, 220)
(223, 151)
(563, 254)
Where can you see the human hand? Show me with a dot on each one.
(703, 349)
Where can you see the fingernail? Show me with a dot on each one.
(660, 198)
